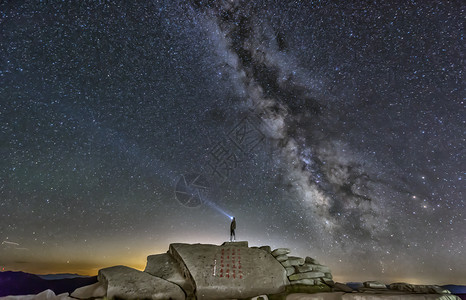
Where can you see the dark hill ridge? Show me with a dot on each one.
(61, 276)
(455, 289)
(20, 283)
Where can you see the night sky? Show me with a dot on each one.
(337, 130)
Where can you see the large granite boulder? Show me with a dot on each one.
(374, 285)
(126, 283)
(229, 271)
(166, 267)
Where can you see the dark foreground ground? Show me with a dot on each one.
(20, 283)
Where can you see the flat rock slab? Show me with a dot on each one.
(127, 283)
(282, 257)
(359, 296)
(236, 244)
(374, 285)
(304, 281)
(228, 272)
(166, 267)
(306, 275)
(296, 261)
(280, 251)
(306, 267)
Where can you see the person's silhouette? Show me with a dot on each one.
(232, 229)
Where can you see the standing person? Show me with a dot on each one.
(232, 229)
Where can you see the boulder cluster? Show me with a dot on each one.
(303, 271)
(194, 271)
(236, 271)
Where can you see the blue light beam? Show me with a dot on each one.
(217, 208)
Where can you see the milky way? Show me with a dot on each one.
(334, 129)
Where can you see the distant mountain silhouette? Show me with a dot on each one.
(458, 290)
(455, 289)
(20, 283)
(61, 276)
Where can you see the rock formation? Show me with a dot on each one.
(303, 271)
(235, 271)
(126, 283)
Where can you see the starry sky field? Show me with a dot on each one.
(334, 128)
